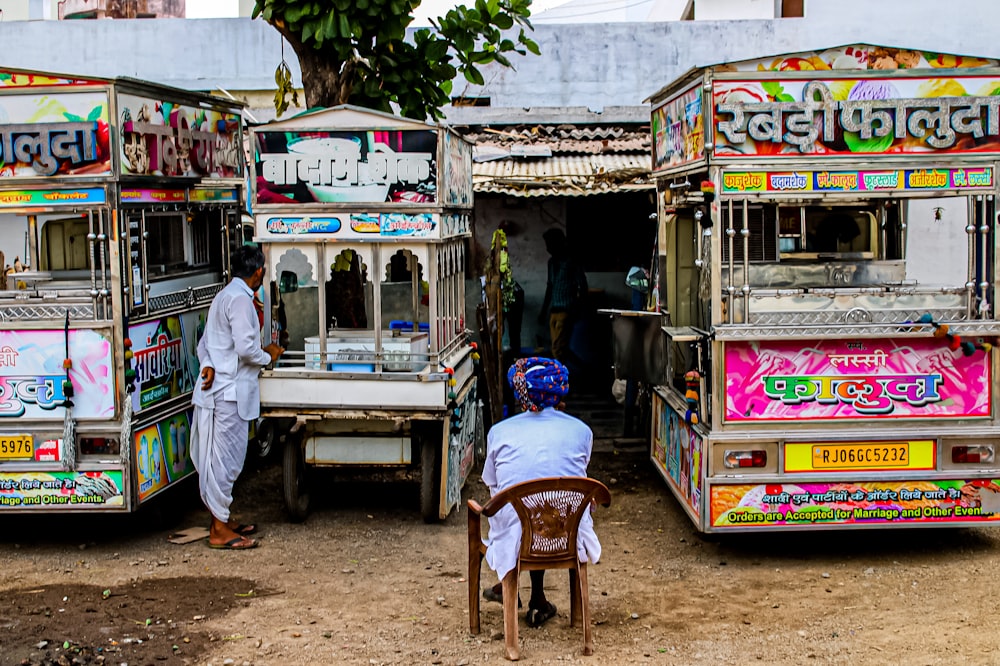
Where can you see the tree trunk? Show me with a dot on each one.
(326, 83)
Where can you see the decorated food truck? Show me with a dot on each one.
(826, 277)
(364, 218)
(119, 201)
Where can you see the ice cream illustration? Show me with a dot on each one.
(154, 459)
(143, 457)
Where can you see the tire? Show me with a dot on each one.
(430, 474)
(295, 476)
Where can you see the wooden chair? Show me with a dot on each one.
(550, 510)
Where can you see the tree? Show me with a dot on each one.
(356, 51)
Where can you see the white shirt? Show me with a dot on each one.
(231, 345)
(529, 446)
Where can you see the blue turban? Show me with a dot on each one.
(538, 382)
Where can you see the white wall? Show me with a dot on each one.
(733, 10)
(937, 250)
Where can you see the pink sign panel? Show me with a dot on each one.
(817, 380)
(32, 374)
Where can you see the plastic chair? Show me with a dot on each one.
(550, 510)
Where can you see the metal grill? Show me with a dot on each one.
(30, 312)
(751, 332)
(176, 299)
(854, 316)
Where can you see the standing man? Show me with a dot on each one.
(542, 441)
(228, 396)
(565, 289)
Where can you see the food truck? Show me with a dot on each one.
(119, 203)
(364, 217)
(826, 282)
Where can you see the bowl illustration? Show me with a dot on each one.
(365, 190)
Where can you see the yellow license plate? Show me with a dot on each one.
(17, 446)
(850, 456)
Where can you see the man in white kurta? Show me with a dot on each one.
(228, 396)
(534, 445)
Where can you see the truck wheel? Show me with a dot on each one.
(296, 483)
(430, 476)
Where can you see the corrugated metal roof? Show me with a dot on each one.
(564, 175)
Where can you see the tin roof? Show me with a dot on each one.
(564, 175)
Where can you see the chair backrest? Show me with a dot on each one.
(550, 510)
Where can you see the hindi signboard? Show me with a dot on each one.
(852, 116)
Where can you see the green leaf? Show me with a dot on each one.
(503, 21)
(345, 27)
(472, 75)
(436, 50)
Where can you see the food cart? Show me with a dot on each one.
(119, 203)
(826, 277)
(363, 217)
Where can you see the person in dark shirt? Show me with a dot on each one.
(565, 289)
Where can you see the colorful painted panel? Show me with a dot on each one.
(866, 503)
(165, 357)
(54, 135)
(859, 56)
(65, 490)
(885, 116)
(854, 379)
(354, 225)
(32, 374)
(10, 79)
(163, 453)
(739, 182)
(21, 198)
(162, 138)
(457, 179)
(465, 433)
(133, 195)
(347, 167)
(684, 459)
(678, 128)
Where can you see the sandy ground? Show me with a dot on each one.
(364, 581)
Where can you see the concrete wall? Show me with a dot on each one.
(589, 65)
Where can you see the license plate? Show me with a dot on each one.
(17, 446)
(850, 456)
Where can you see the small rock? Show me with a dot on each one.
(228, 662)
(161, 563)
(82, 546)
(801, 633)
(825, 575)
(869, 571)
(440, 601)
(42, 645)
(634, 616)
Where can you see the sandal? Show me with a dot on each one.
(236, 543)
(242, 529)
(536, 617)
(492, 595)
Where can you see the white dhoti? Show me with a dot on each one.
(218, 450)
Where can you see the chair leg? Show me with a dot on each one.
(588, 643)
(475, 565)
(574, 598)
(511, 647)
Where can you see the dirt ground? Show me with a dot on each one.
(364, 581)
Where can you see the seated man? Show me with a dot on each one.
(540, 442)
